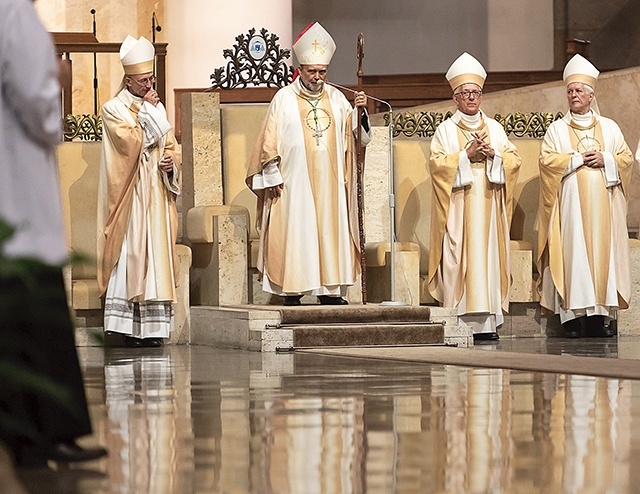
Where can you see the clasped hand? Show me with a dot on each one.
(593, 159)
(166, 164)
(478, 148)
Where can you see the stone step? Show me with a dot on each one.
(305, 336)
(361, 314)
(277, 328)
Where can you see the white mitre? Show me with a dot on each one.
(465, 70)
(137, 55)
(314, 46)
(579, 69)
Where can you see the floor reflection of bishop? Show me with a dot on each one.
(597, 435)
(143, 416)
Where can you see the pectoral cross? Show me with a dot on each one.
(317, 134)
(318, 120)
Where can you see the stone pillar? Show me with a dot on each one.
(219, 240)
(201, 151)
(378, 234)
(407, 272)
(628, 319)
(376, 186)
(521, 272)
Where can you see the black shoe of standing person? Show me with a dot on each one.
(291, 300)
(575, 328)
(152, 342)
(485, 337)
(71, 452)
(327, 300)
(595, 327)
(63, 452)
(131, 342)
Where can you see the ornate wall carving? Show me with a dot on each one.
(423, 124)
(255, 59)
(86, 127)
(408, 124)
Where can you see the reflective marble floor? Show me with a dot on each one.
(204, 420)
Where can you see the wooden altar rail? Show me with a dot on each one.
(68, 43)
(400, 90)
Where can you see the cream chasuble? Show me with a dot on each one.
(137, 216)
(470, 217)
(583, 249)
(309, 236)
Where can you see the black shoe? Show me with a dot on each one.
(290, 300)
(327, 300)
(613, 326)
(30, 458)
(70, 451)
(152, 342)
(574, 328)
(595, 328)
(485, 337)
(131, 342)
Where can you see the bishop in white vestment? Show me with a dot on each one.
(137, 217)
(304, 174)
(473, 168)
(583, 247)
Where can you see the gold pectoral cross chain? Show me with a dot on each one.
(317, 133)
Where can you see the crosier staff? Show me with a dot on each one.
(360, 173)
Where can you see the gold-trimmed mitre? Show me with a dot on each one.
(137, 55)
(465, 70)
(314, 46)
(579, 69)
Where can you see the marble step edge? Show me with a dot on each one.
(351, 325)
(364, 327)
(320, 314)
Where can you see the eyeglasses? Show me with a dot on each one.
(468, 94)
(146, 81)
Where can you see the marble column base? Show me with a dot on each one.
(219, 240)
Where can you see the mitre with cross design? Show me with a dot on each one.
(314, 46)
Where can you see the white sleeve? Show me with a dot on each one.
(154, 123)
(269, 177)
(610, 169)
(464, 176)
(170, 181)
(576, 162)
(365, 125)
(495, 170)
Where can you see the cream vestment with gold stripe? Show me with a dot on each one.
(583, 248)
(470, 217)
(137, 217)
(308, 236)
